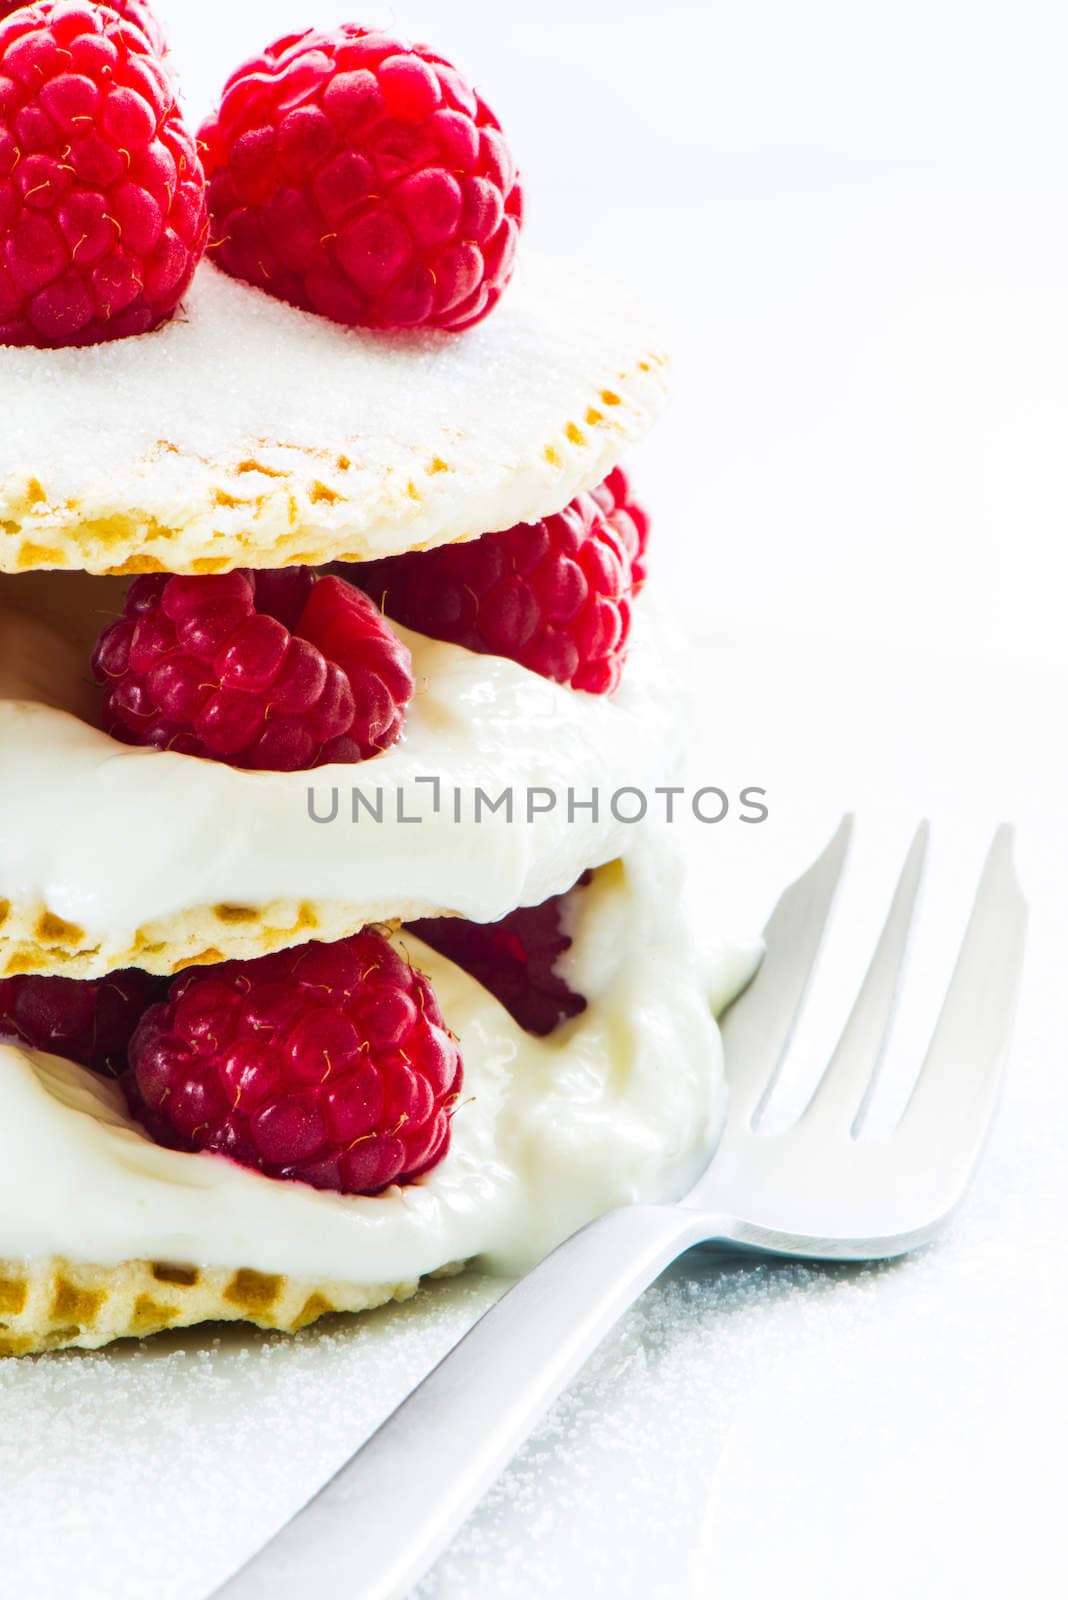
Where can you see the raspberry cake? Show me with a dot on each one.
(321, 622)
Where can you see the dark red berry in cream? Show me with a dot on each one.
(330, 1064)
(364, 179)
(275, 672)
(89, 1021)
(102, 207)
(553, 595)
(516, 958)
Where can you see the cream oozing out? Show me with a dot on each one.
(621, 1104)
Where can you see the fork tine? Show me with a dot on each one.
(758, 1027)
(956, 1091)
(843, 1094)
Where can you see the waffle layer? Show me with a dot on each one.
(246, 433)
(56, 1304)
(34, 940)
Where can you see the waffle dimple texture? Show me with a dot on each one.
(56, 1304)
(34, 939)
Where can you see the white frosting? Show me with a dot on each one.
(111, 838)
(622, 1104)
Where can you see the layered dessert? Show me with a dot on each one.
(329, 957)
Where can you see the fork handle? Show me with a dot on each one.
(394, 1506)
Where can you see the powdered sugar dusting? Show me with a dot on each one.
(245, 423)
(157, 1468)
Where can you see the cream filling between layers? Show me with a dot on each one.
(622, 1104)
(110, 838)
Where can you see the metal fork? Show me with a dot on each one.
(812, 1191)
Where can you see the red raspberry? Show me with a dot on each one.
(553, 595)
(102, 208)
(275, 671)
(329, 1063)
(88, 1021)
(515, 959)
(627, 517)
(364, 179)
(139, 12)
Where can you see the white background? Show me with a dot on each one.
(855, 216)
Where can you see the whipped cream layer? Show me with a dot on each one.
(111, 838)
(624, 1103)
